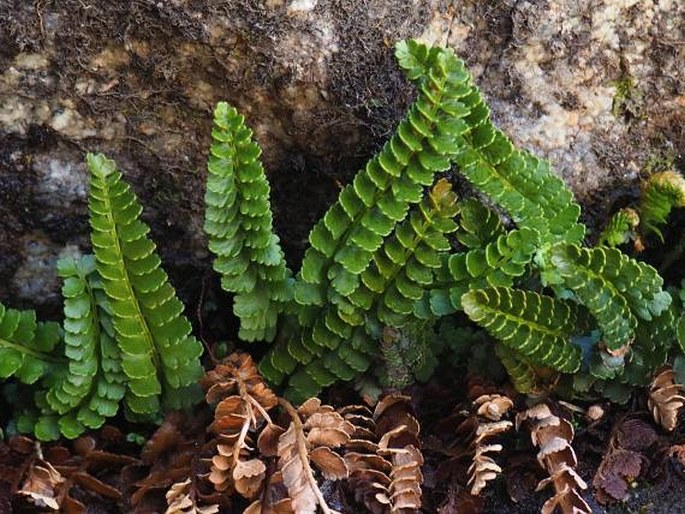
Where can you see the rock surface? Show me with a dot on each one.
(596, 86)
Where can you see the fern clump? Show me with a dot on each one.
(381, 261)
(389, 264)
(124, 335)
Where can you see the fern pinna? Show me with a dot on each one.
(26, 346)
(379, 257)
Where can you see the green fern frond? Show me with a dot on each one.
(110, 385)
(660, 194)
(499, 264)
(648, 352)
(81, 331)
(539, 327)
(653, 340)
(415, 59)
(26, 346)
(404, 270)
(344, 336)
(478, 224)
(614, 287)
(88, 390)
(238, 222)
(621, 228)
(344, 242)
(521, 373)
(158, 354)
(522, 184)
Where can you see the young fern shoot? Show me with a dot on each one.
(238, 222)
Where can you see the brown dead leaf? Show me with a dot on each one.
(327, 429)
(393, 411)
(493, 406)
(666, 398)
(181, 501)
(634, 434)
(248, 476)
(267, 442)
(615, 474)
(42, 485)
(331, 465)
(360, 461)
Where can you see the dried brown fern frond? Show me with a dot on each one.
(404, 491)
(369, 477)
(398, 429)
(484, 468)
(666, 398)
(240, 415)
(383, 456)
(314, 431)
(181, 500)
(467, 435)
(489, 410)
(553, 436)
